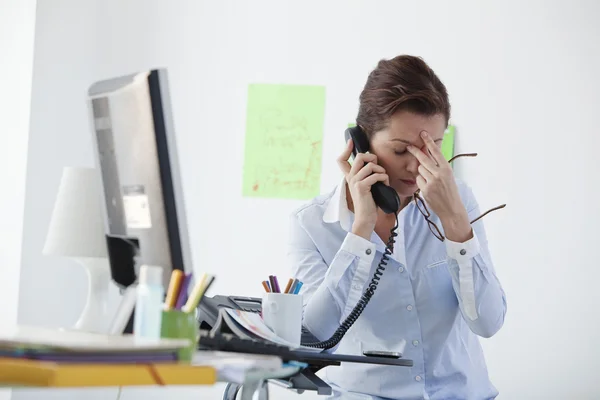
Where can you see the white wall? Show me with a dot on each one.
(524, 90)
(17, 25)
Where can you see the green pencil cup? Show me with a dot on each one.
(181, 325)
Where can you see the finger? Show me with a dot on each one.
(421, 183)
(372, 179)
(343, 158)
(424, 159)
(434, 150)
(368, 170)
(360, 161)
(424, 172)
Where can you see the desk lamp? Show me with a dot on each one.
(76, 231)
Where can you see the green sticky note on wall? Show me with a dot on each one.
(448, 142)
(284, 136)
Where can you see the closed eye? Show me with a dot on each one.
(400, 152)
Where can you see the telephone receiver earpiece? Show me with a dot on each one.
(385, 197)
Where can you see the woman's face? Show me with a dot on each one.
(389, 145)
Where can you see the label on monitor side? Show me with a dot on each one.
(137, 208)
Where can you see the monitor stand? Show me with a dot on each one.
(123, 319)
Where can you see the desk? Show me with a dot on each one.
(293, 369)
(306, 379)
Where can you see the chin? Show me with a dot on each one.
(405, 190)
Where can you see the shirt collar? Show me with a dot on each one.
(337, 209)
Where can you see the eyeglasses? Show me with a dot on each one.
(425, 211)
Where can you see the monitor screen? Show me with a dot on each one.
(136, 153)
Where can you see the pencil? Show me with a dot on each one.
(288, 286)
(207, 286)
(174, 287)
(196, 294)
(266, 286)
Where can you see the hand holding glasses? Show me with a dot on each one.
(425, 211)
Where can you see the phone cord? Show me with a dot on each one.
(364, 300)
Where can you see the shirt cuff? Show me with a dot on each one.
(365, 251)
(463, 251)
(360, 247)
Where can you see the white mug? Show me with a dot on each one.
(282, 313)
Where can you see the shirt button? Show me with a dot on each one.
(418, 378)
(415, 343)
(409, 307)
(401, 269)
(463, 252)
(368, 251)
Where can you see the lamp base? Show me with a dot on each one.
(94, 317)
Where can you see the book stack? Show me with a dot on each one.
(33, 356)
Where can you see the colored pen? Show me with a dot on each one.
(195, 293)
(183, 291)
(298, 286)
(288, 286)
(199, 289)
(293, 287)
(274, 284)
(173, 290)
(266, 286)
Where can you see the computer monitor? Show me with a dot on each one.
(134, 141)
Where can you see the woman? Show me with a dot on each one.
(439, 292)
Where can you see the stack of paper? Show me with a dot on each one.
(234, 367)
(74, 346)
(249, 325)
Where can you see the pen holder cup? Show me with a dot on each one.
(181, 325)
(282, 313)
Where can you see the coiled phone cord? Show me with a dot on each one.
(364, 300)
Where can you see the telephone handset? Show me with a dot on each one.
(384, 196)
(387, 199)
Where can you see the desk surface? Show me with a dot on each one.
(326, 359)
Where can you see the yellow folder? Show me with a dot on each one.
(19, 372)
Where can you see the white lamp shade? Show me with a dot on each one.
(77, 223)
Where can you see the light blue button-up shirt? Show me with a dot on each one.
(434, 300)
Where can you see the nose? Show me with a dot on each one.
(413, 165)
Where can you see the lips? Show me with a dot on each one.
(408, 182)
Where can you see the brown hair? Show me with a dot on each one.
(402, 83)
